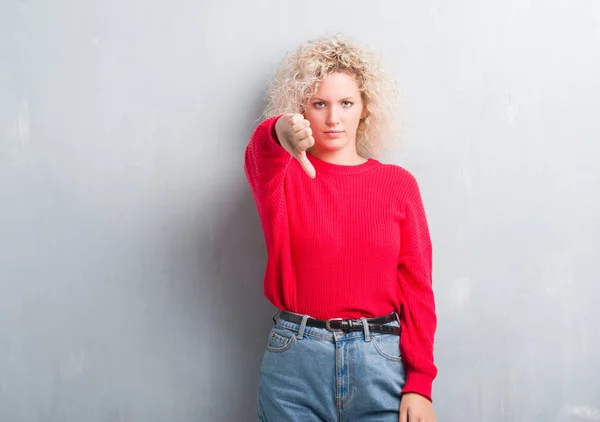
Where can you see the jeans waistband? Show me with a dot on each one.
(301, 329)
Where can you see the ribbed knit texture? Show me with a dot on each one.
(352, 242)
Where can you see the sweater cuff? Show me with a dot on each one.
(419, 383)
(275, 145)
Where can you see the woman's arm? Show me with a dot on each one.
(273, 145)
(418, 315)
(266, 163)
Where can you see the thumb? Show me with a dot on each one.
(306, 164)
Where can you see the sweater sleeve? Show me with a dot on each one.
(266, 164)
(418, 317)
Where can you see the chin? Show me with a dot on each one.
(332, 145)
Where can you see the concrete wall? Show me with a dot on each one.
(131, 254)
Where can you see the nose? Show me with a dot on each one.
(333, 118)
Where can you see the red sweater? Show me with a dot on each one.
(352, 242)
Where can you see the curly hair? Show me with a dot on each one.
(297, 77)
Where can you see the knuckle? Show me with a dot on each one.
(293, 120)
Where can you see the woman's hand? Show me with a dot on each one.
(295, 136)
(416, 408)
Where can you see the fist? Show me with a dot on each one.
(295, 136)
(416, 408)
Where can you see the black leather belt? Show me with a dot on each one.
(376, 325)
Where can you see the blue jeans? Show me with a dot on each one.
(312, 374)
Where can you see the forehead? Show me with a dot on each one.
(338, 84)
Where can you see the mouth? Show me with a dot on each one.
(334, 131)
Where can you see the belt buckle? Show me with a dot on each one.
(328, 325)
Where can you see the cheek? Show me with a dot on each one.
(313, 120)
(354, 118)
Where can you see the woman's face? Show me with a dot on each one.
(334, 113)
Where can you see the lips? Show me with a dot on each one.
(333, 134)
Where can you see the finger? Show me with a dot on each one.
(296, 119)
(403, 415)
(306, 165)
(301, 125)
(303, 134)
(306, 143)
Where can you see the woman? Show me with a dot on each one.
(349, 251)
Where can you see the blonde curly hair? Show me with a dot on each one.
(296, 80)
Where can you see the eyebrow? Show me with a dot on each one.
(323, 101)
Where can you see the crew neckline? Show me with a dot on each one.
(330, 168)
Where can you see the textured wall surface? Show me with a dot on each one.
(131, 254)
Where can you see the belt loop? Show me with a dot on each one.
(399, 322)
(366, 329)
(300, 333)
(273, 317)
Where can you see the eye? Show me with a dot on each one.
(319, 104)
(347, 103)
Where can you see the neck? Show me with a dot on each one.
(341, 157)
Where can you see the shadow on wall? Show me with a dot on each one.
(238, 262)
(238, 314)
(215, 253)
(219, 309)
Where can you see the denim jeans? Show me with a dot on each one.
(312, 374)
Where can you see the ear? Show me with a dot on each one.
(365, 112)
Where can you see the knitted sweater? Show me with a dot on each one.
(352, 242)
